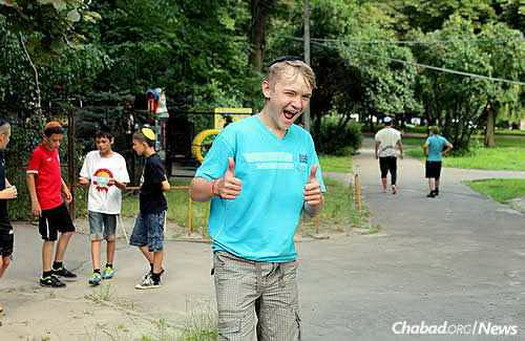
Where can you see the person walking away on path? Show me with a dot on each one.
(388, 140)
(148, 232)
(107, 176)
(7, 192)
(261, 173)
(48, 190)
(434, 148)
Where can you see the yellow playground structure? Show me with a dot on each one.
(222, 117)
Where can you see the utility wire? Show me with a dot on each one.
(404, 42)
(430, 67)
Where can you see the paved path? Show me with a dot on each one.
(457, 258)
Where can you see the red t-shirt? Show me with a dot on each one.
(46, 165)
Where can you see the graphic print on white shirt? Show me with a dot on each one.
(104, 198)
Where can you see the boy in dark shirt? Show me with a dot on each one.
(148, 232)
(6, 192)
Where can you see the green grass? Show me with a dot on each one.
(501, 190)
(178, 200)
(508, 155)
(511, 132)
(340, 164)
(338, 214)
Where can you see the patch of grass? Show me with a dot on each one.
(340, 164)
(512, 159)
(103, 293)
(501, 190)
(200, 325)
(509, 155)
(178, 200)
(510, 132)
(338, 214)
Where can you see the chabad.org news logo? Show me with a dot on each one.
(447, 328)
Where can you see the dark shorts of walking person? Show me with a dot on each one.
(53, 221)
(433, 169)
(388, 164)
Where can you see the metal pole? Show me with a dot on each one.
(306, 114)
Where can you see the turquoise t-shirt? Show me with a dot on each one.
(436, 144)
(260, 223)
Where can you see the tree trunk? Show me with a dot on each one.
(38, 99)
(259, 10)
(490, 127)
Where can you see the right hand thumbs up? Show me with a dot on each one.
(229, 187)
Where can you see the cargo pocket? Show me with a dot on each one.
(228, 330)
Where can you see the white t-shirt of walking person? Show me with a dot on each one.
(103, 197)
(388, 138)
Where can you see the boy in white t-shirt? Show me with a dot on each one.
(106, 173)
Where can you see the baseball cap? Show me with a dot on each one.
(387, 119)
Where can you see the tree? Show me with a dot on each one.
(459, 103)
(260, 10)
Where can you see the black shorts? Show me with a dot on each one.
(433, 169)
(53, 221)
(6, 238)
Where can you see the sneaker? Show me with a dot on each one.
(95, 279)
(394, 189)
(51, 282)
(108, 273)
(431, 194)
(65, 274)
(148, 283)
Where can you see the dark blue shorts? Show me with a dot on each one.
(149, 230)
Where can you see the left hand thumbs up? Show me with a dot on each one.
(312, 189)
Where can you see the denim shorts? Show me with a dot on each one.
(102, 225)
(149, 230)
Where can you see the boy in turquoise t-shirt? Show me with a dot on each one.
(261, 173)
(434, 148)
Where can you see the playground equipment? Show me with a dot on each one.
(222, 117)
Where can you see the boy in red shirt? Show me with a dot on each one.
(48, 191)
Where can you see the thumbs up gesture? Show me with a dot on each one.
(228, 187)
(312, 190)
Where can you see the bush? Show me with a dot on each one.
(334, 139)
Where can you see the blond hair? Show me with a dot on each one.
(291, 68)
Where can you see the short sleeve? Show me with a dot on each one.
(122, 174)
(34, 162)
(216, 160)
(157, 173)
(84, 172)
